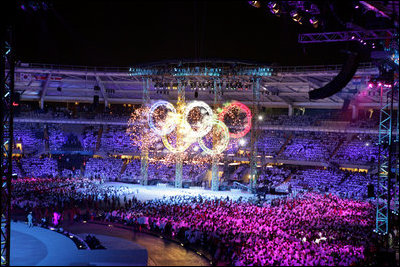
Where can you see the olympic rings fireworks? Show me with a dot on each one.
(224, 143)
(170, 123)
(176, 149)
(207, 124)
(244, 108)
(182, 130)
(185, 132)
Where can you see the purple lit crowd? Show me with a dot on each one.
(309, 229)
(326, 218)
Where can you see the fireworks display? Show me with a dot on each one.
(193, 132)
(235, 113)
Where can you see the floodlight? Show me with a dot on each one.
(255, 3)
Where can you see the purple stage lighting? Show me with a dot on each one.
(255, 3)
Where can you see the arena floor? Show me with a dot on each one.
(158, 192)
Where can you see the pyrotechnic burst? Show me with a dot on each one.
(139, 131)
(193, 132)
(237, 116)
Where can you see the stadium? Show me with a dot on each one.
(244, 133)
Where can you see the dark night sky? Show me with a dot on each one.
(123, 33)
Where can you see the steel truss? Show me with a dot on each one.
(388, 149)
(6, 138)
(179, 157)
(387, 161)
(254, 133)
(345, 36)
(396, 158)
(215, 158)
(144, 156)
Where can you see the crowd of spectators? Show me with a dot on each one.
(39, 166)
(89, 138)
(329, 222)
(332, 179)
(29, 135)
(312, 146)
(132, 171)
(304, 231)
(116, 139)
(309, 229)
(107, 169)
(57, 137)
(273, 176)
(340, 182)
(304, 146)
(304, 120)
(16, 168)
(360, 149)
(270, 142)
(71, 173)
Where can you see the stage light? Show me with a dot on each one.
(242, 142)
(274, 8)
(260, 117)
(196, 148)
(314, 22)
(34, 5)
(255, 4)
(296, 16)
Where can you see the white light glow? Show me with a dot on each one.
(242, 142)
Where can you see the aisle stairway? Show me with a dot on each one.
(82, 171)
(123, 168)
(287, 179)
(46, 139)
(19, 165)
(99, 135)
(337, 148)
(285, 144)
(238, 172)
(344, 140)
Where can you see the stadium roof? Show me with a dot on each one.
(287, 86)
